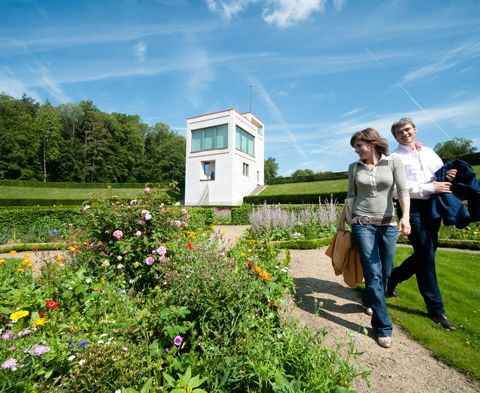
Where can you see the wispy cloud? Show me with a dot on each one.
(339, 4)
(457, 56)
(13, 86)
(285, 13)
(140, 51)
(201, 76)
(228, 8)
(353, 112)
(277, 116)
(48, 83)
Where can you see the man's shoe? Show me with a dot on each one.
(391, 285)
(443, 321)
(385, 342)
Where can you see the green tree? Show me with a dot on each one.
(454, 148)
(302, 172)
(48, 125)
(270, 169)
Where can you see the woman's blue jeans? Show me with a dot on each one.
(376, 245)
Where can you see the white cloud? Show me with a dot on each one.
(201, 75)
(140, 51)
(16, 88)
(285, 13)
(48, 83)
(228, 9)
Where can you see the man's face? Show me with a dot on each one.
(406, 135)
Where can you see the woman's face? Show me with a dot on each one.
(364, 149)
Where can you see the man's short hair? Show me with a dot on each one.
(400, 123)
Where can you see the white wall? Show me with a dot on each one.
(230, 184)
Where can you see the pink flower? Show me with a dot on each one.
(161, 251)
(177, 223)
(10, 364)
(133, 202)
(118, 234)
(138, 233)
(148, 217)
(39, 350)
(146, 190)
(178, 340)
(149, 261)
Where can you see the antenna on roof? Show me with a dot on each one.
(250, 98)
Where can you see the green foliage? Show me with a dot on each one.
(270, 169)
(105, 319)
(302, 173)
(457, 274)
(241, 215)
(454, 149)
(80, 143)
(302, 244)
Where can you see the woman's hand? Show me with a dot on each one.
(404, 226)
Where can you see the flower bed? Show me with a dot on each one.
(151, 301)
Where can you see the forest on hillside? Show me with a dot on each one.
(80, 143)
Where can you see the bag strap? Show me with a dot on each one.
(354, 172)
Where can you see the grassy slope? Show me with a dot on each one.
(457, 274)
(316, 186)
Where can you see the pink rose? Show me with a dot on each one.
(118, 234)
(146, 190)
(161, 251)
(149, 261)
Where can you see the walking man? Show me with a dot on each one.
(420, 165)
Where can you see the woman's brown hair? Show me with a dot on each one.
(370, 135)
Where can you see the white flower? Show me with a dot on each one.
(119, 258)
(103, 335)
(120, 266)
(106, 263)
(70, 358)
(100, 342)
(88, 280)
(82, 362)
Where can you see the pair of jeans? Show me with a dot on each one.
(376, 245)
(424, 239)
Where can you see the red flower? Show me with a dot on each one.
(190, 246)
(250, 263)
(51, 304)
(41, 314)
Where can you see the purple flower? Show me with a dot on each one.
(10, 364)
(118, 234)
(178, 340)
(149, 261)
(146, 190)
(39, 350)
(83, 343)
(7, 336)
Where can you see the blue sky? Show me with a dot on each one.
(318, 69)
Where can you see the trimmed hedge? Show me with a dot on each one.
(295, 199)
(450, 243)
(33, 247)
(20, 202)
(41, 184)
(302, 244)
(26, 216)
(241, 215)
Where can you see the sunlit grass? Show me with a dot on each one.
(307, 188)
(457, 274)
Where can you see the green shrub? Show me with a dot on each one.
(294, 198)
(241, 214)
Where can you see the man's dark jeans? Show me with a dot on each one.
(424, 239)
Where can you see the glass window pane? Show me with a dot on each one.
(238, 139)
(208, 138)
(250, 146)
(222, 136)
(197, 140)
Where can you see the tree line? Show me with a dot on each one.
(80, 143)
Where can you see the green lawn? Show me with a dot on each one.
(457, 274)
(307, 188)
(316, 186)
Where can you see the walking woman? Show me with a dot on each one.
(371, 182)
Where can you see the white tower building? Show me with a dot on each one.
(225, 158)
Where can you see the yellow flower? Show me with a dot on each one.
(72, 248)
(26, 262)
(15, 316)
(136, 264)
(40, 322)
(2, 261)
(258, 269)
(249, 250)
(265, 276)
(20, 270)
(27, 255)
(12, 252)
(242, 254)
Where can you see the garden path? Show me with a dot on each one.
(406, 367)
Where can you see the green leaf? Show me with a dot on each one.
(147, 386)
